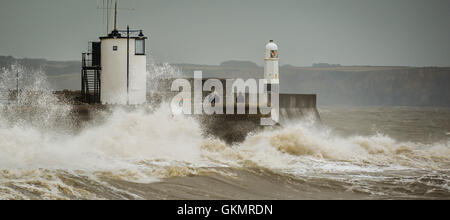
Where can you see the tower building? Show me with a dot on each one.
(114, 70)
(271, 63)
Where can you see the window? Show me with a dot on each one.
(140, 47)
(274, 54)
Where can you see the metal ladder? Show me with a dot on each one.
(90, 81)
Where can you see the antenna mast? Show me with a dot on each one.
(115, 17)
(109, 6)
(107, 16)
(17, 86)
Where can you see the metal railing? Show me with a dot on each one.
(90, 80)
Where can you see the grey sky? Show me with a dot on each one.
(350, 32)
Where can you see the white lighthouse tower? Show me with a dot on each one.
(271, 64)
(117, 72)
(123, 72)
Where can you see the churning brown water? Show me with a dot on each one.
(355, 153)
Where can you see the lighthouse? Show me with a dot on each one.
(123, 68)
(114, 70)
(271, 64)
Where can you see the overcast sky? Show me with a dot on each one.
(349, 32)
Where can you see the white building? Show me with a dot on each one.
(115, 69)
(271, 63)
(123, 69)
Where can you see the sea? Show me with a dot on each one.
(148, 153)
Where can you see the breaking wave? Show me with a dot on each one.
(40, 160)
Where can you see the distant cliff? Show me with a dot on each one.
(355, 85)
(61, 74)
(398, 86)
(335, 85)
(52, 68)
